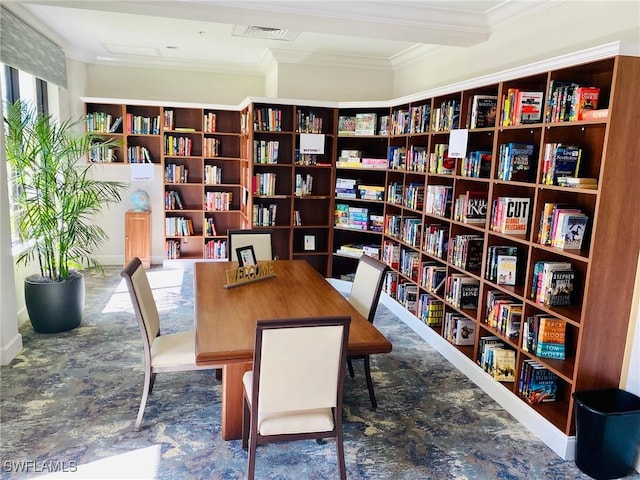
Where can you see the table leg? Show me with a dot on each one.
(232, 400)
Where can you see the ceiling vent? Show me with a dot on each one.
(266, 33)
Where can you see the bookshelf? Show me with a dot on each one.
(291, 189)
(603, 269)
(205, 173)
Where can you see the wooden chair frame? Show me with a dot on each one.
(251, 436)
(149, 323)
(246, 237)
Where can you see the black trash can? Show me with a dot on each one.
(607, 432)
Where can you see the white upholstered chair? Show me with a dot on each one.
(260, 238)
(294, 391)
(364, 296)
(174, 352)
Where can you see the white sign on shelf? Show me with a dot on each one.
(312, 143)
(142, 172)
(458, 143)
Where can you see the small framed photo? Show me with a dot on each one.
(309, 242)
(246, 256)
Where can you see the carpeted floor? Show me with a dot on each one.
(68, 403)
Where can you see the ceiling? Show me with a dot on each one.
(208, 34)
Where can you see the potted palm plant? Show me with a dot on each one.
(56, 198)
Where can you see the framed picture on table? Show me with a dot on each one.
(246, 256)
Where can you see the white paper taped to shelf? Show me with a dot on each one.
(458, 143)
(312, 143)
(142, 172)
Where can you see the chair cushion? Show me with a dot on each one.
(174, 349)
(300, 421)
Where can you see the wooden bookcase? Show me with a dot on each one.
(597, 320)
(199, 149)
(292, 191)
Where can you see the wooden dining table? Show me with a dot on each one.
(225, 321)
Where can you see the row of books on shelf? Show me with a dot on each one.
(462, 291)
(264, 215)
(439, 160)
(537, 384)
(516, 161)
(264, 184)
(177, 146)
(497, 359)
(266, 151)
(415, 119)
(482, 111)
(411, 231)
(309, 122)
(502, 264)
(407, 295)
(436, 239)
(545, 336)
(175, 173)
(553, 283)
(354, 159)
(216, 249)
(210, 227)
(471, 207)
(211, 147)
(409, 263)
(430, 310)
(102, 122)
(417, 159)
(432, 276)
(465, 251)
(172, 200)
(140, 125)
(267, 119)
(102, 154)
(351, 188)
(218, 201)
(567, 101)
(212, 175)
(178, 227)
(510, 215)
(560, 160)
(357, 124)
(172, 249)
(438, 200)
(303, 184)
(503, 314)
(357, 218)
(562, 226)
(458, 329)
(446, 116)
(138, 154)
(209, 122)
(477, 164)
(521, 107)
(356, 250)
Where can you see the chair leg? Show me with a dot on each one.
(219, 374)
(340, 450)
(246, 412)
(253, 443)
(367, 371)
(350, 366)
(146, 389)
(152, 383)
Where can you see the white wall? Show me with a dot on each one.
(573, 26)
(170, 85)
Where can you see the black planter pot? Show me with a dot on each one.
(55, 307)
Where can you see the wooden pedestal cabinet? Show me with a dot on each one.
(137, 237)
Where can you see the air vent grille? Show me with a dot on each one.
(268, 33)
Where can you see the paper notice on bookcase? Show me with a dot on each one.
(142, 172)
(458, 143)
(312, 143)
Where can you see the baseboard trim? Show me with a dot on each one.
(11, 349)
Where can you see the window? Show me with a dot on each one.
(20, 85)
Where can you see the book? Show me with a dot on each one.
(542, 385)
(346, 125)
(504, 364)
(506, 265)
(513, 215)
(529, 107)
(551, 338)
(366, 123)
(475, 210)
(584, 99)
(570, 231)
(560, 288)
(483, 111)
(464, 330)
